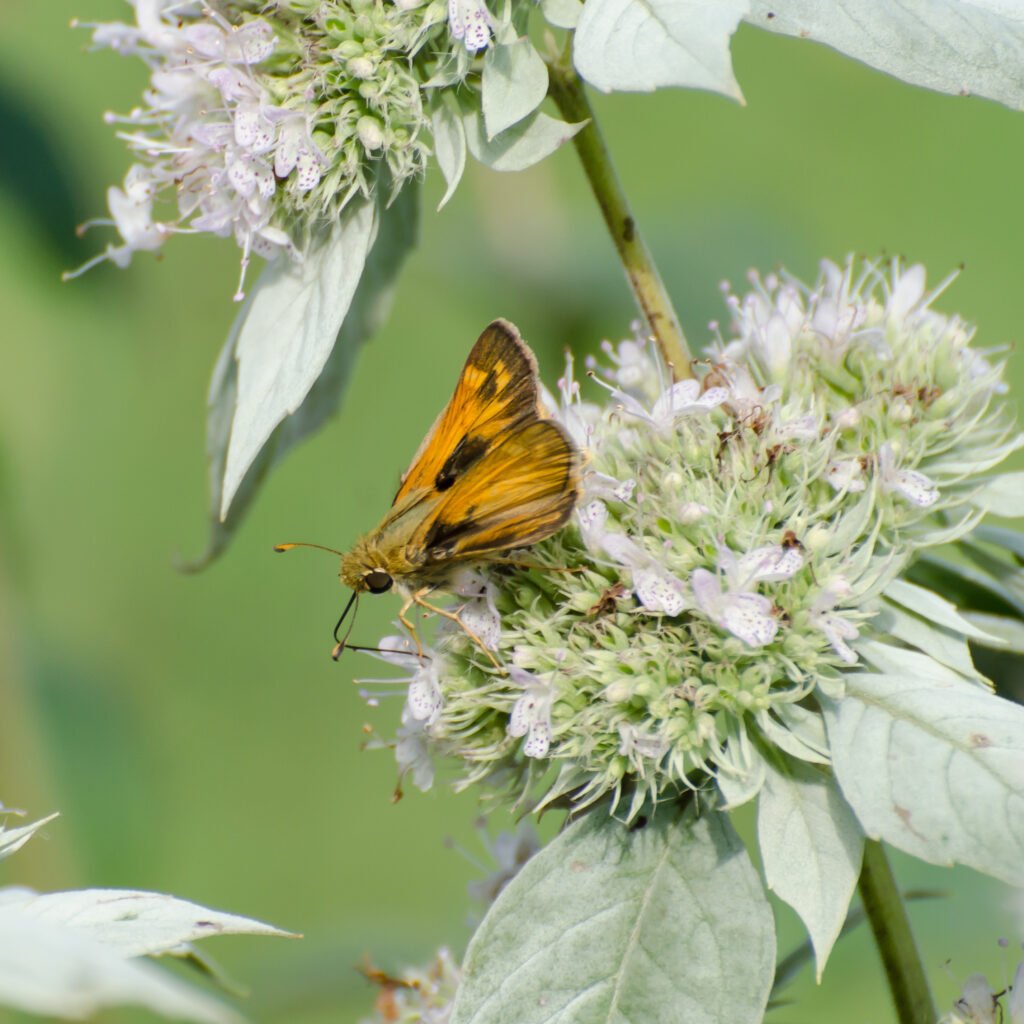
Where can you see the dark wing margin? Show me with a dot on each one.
(497, 391)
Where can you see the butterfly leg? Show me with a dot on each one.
(454, 616)
(409, 626)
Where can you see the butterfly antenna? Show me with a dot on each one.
(300, 544)
(381, 650)
(340, 645)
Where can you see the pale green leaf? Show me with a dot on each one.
(895, 660)
(607, 924)
(514, 83)
(288, 333)
(954, 46)
(522, 145)
(741, 772)
(51, 968)
(562, 13)
(1003, 632)
(642, 45)
(13, 839)
(934, 766)
(795, 730)
(926, 603)
(449, 146)
(395, 237)
(971, 467)
(945, 646)
(1002, 495)
(811, 847)
(135, 923)
(1009, 540)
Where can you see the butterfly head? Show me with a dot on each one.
(364, 568)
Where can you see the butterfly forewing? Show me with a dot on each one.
(519, 492)
(496, 392)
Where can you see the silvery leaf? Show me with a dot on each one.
(655, 924)
(514, 83)
(522, 145)
(642, 45)
(934, 766)
(952, 46)
(811, 848)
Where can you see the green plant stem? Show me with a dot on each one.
(567, 90)
(884, 908)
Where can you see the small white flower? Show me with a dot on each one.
(424, 699)
(845, 475)
(907, 290)
(639, 743)
(747, 401)
(478, 613)
(577, 416)
(412, 751)
(607, 488)
(470, 21)
(978, 1004)
(1015, 997)
(691, 512)
(909, 483)
(747, 616)
(254, 129)
(297, 151)
(744, 614)
(134, 221)
(683, 398)
(531, 713)
(848, 419)
(837, 630)
(768, 564)
(635, 369)
(799, 428)
(657, 589)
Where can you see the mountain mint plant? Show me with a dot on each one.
(740, 545)
(751, 604)
(779, 571)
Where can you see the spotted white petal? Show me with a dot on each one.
(659, 591)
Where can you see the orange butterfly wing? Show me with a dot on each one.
(496, 392)
(516, 494)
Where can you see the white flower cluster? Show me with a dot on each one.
(261, 122)
(211, 135)
(732, 545)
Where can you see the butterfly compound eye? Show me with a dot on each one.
(377, 581)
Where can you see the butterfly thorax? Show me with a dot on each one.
(381, 559)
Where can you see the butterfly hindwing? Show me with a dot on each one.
(497, 391)
(519, 492)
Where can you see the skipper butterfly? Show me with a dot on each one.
(492, 474)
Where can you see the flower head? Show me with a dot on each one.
(260, 123)
(732, 549)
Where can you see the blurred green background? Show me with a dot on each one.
(192, 730)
